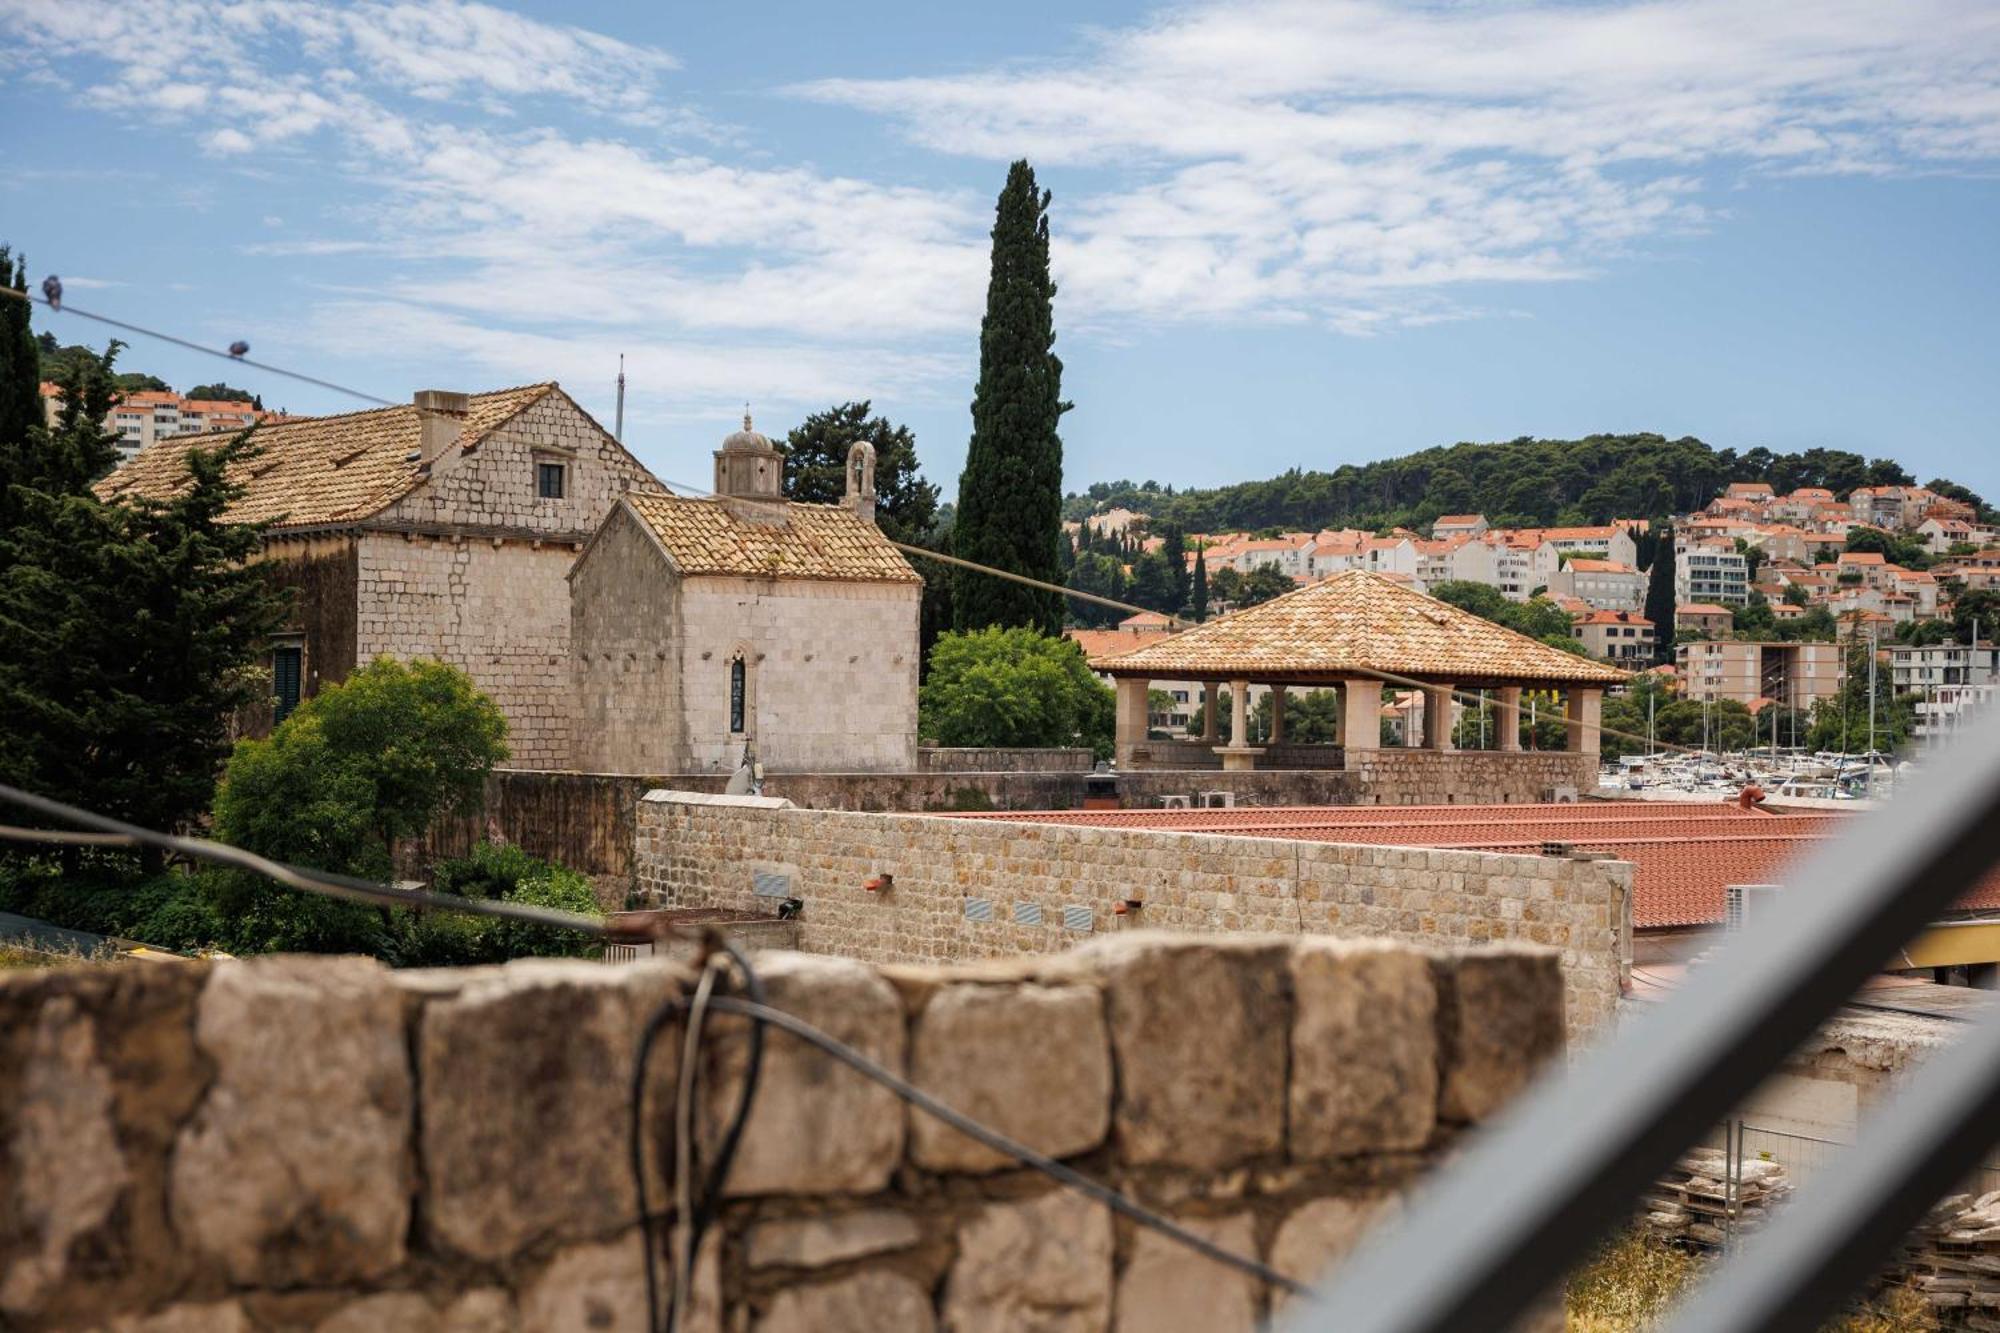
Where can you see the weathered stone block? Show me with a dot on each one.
(97, 1064)
(1500, 1020)
(598, 1287)
(818, 1127)
(1315, 1238)
(296, 1168)
(480, 1311)
(1033, 1062)
(526, 1078)
(1038, 1266)
(1167, 1289)
(815, 1242)
(1364, 1048)
(868, 1302)
(206, 1317)
(1199, 1033)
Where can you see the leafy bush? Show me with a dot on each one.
(1014, 687)
(106, 895)
(505, 874)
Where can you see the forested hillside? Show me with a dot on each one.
(1521, 482)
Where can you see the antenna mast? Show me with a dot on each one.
(618, 425)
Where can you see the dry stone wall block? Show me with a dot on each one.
(1201, 1063)
(296, 1167)
(526, 1079)
(1501, 1020)
(816, 1242)
(1033, 1062)
(1320, 1234)
(1167, 1289)
(867, 1302)
(1364, 1049)
(1038, 1266)
(818, 1127)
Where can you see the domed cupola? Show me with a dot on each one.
(749, 467)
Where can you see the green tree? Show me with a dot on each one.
(1262, 584)
(1895, 547)
(1013, 687)
(129, 633)
(1198, 588)
(391, 748)
(223, 393)
(1173, 549)
(1010, 493)
(1153, 584)
(20, 358)
(1840, 721)
(1226, 586)
(1660, 601)
(906, 505)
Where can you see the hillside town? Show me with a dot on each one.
(612, 809)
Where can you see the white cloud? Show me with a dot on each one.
(1358, 161)
(1347, 163)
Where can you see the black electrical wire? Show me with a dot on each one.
(762, 1013)
(708, 1198)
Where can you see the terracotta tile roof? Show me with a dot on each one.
(1589, 566)
(1108, 642)
(320, 470)
(1683, 854)
(814, 541)
(1360, 623)
(1613, 618)
(1145, 619)
(1702, 609)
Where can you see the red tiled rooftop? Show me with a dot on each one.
(1683, 853)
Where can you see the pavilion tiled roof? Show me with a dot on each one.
(314, 471)
(813, 542)
(1362, 624)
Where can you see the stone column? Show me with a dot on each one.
(1277, 715)
(1239, 755)
(1360, 716)
(1437, 717)
(1507, 716)
(1582, 709)
(1209, 690)
(1130, 717)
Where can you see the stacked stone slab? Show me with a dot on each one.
(1691, 1205)
(322, 1144)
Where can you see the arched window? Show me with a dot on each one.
(737, 694)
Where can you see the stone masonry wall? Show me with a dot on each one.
(965, 889)
(499, 610)
(1001, 759)
(477, 575)
(322, 1145)
(831, 677)
(1447, 777)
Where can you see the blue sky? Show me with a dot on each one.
(1286, 234)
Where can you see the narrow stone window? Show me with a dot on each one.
(549, 479)
(736, 683)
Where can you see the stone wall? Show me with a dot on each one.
(319, 1144)
(472, 566)
(585, 820)
(995, 759)
(626, 667)
(497, 609)
(1469, 777)
(831, 673)
(964, 889)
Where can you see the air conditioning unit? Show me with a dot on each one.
(1218, 800)
(1743, 904)
(1563, 795)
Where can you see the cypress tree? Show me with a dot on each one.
(1174, 547)
(1660, 596)
(1198, 594)
(1010, 493)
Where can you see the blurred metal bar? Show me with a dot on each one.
(1558, 1172)
(1841, 1226)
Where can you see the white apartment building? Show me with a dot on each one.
(1705, 572)
(143, 417)
(1951, 681)
(1605, 584)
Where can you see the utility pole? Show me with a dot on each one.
(618, 424)
(1868, 781)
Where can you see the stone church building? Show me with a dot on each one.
(745, 625)
(442, 528)
(448, 527)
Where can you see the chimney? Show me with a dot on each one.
(440, 420)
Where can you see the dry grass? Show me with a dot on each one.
(14, 956)
(1633, 1283)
